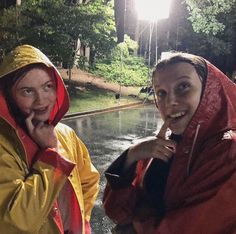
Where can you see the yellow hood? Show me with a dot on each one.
(24, 55)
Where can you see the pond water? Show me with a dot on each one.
(106, 137)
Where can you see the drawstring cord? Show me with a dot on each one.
(192, 148)
(145, 170)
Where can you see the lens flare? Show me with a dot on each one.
(152, 10)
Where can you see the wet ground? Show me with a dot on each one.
(106, 137)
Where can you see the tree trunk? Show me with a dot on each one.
(120, 19)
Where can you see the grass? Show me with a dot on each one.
(92, 99)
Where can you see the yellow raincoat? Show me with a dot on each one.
(41, 189)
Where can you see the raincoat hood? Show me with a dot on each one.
(216, 112)
(192, 163)
(25, 55)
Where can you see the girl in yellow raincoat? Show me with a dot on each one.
(48, 183)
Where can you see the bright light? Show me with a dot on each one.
(152, 10)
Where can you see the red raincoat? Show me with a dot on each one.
(200, 192)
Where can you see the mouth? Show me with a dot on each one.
(40, 111)
(176, 116)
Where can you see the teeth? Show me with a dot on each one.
(41, 109)
(177, 115)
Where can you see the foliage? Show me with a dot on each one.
(9, 25)
(131, 44)
(81, 62)
(128, 74)
(120, 51)
(215, 20)
(123, 68)
(55, 27)
(205, 14)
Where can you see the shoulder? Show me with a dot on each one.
(65, 132)
(63, 129)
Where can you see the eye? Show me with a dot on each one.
(49, 86)
(182, 87)
(27, 92)
(160, 94)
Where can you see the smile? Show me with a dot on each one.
(177, 115)
(41, 110)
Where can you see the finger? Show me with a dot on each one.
(29, 123)
(40, 125)
(165, 143)
(170, 145)
(166, 151)
(164, 127)
(164, 155)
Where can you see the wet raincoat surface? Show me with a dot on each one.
(41, 189)
(200, 187)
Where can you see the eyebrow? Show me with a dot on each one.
(178, 78)
(28, 87)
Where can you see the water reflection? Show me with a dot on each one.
(107, 136)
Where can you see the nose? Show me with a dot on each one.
(172, 99)
(40, 97)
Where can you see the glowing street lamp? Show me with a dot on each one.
(152, 11)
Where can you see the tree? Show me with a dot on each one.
(120, 19)
(217, 20)
(206, 16)
(55, 26)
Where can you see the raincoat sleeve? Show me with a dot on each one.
(89, 177)
(120, 194)
(115, 174)
(26, 198)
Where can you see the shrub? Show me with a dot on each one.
(122, 67)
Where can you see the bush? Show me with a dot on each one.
(124, 74)
(123, 68)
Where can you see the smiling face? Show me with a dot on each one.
(178, 91)
(35, 92)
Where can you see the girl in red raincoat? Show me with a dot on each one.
(182, 181)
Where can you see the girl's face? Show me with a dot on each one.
(178, 90)
(35, 92)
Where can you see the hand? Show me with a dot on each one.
(154, 147)
(43, 134)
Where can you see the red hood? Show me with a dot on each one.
(216, 112)
(200, 164)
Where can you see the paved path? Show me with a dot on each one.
(87, 79)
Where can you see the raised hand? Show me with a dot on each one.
(43, 134)
(153, 147)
